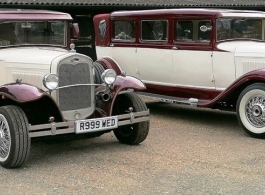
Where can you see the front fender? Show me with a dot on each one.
(36, 103)
(239, 84)
(21, 92)
(121, 84)
(109, 63)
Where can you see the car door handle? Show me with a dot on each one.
(175, 48)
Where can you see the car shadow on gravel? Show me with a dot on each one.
(57, 149)
(196, 115)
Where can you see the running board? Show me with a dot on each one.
(190, 102)
(172, 100)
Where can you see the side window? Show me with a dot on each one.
(123, 30)
(184, 31)
(204, 31)
(154, 30)
(193, 31)
(238, 28)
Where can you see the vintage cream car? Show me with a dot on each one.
(48, 89)
(209, 58)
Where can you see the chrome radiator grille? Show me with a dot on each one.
(76, 97)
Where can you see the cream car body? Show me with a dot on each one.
(209, 58)
(48, 89)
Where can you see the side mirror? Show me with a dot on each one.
(75, 30)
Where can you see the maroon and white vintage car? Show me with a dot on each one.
(209, 58)
(47, 89)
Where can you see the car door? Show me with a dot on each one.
(192, 53)
(123, 45)
(154, 55)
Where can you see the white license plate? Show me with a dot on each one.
(91, 125)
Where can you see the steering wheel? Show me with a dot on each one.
(223, 36)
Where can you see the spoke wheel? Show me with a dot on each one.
(5, 138)
(255, 111)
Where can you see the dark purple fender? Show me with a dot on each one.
(109, 63)
(245, 80)
(25, 93)
(121, 83)
(21, 92)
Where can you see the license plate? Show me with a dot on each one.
(91, 125)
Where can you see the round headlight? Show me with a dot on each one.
(50, 81)
(109, 76)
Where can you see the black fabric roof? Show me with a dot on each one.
(164, 3)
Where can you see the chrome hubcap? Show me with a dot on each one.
(4, 138)
(255, 111)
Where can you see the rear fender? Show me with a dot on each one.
(110, 63)
(120, 86)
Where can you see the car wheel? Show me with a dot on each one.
(251, 110)
(14, 137)
(99, 69)
(135, 133)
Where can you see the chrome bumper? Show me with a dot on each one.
(69, 127)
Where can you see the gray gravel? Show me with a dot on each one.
(188, 151)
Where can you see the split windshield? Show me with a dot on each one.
(239, 28)
(32, 33)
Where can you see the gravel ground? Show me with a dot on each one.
(188, 151)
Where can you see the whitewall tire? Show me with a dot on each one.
(251, 110)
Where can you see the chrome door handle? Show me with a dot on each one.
(175, 48)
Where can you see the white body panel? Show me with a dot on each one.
(236, 59)
(28, 64)
(193, 68)
(155, 65)
(189, 68)
(223, 69)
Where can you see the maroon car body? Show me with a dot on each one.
(211, 58)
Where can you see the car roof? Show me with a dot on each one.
(26, 14)
(191, 11)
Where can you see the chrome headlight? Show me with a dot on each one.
(51, 81)
(109, 76)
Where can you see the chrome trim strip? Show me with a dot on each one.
(76, 85)
(68, 127)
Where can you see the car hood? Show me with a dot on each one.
(30, 64)
(32, 55)
(244, 48)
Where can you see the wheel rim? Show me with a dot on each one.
(255, 111)
(5, 138)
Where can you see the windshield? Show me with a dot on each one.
(239, 28)
(32, 32)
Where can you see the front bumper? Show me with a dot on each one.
(69, 127)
